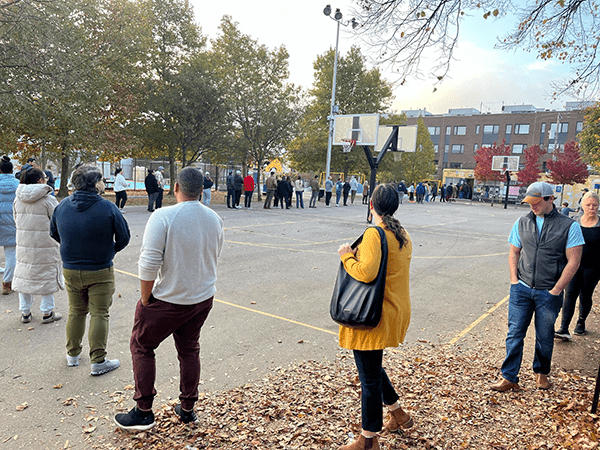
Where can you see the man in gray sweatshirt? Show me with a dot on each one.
(178, 272)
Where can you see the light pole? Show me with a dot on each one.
(338, 18)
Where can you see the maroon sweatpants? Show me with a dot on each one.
(152, 325)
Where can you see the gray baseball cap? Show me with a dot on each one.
(537, 191)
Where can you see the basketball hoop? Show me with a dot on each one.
(347, 145)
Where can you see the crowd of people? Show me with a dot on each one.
(71, 245)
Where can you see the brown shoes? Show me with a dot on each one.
(6, 288)
(541, 381)
(398, 418)
(362, 444)
(504, 385)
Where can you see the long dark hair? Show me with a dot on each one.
(32, 175)
(385, 203)
(5, 165)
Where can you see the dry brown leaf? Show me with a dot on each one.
(22, 406)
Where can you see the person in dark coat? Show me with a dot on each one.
(230, 190)
(346, 191)
(238, 185)
(283, 193)
(151, 189)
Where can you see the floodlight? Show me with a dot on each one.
(338, 14)
(327, 10)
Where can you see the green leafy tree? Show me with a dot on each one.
(418, 165)
(263, 106)
(359, 90)
(565, 30)
(62, 62)
(167, 120)
(589, 137)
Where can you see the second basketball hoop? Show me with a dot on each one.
(347, 145)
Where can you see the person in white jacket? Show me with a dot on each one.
(120, 189)
(39, 269)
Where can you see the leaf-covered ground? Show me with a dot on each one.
(316, 405)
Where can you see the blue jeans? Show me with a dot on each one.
(10, 257)
(522, 304)
(375, 388)
(299, 199)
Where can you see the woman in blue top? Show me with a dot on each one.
(8, 230)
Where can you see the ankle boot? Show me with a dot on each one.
(6, 288)
(362, 443)
(398, 418)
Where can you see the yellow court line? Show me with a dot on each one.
(460, 256)
(460, 335)
(255, 311)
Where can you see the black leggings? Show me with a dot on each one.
(582, 285)
(121, 199)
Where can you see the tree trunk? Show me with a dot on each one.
(64, 176)
(171, 174)
(216, 180)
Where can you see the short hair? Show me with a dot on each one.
(190, 181)
(29, 160)
(32, 175)
(86, 177)
(118, 171)
(5, 165)
(591, 194)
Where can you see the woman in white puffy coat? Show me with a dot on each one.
(39, 268)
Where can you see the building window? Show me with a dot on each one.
(434, 131)
(518, 148)
(460, 131)
(491, 129)
(552, 146)
(522, 128)
(477, 127)
(458, 148)
(455, 165)
(436, 147)
(448, 131)
(579, 126)
(508, 129)
(543, 130)
(446, 148)
(563, 127)
(475, 148)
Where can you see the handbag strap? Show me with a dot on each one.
(384, 252)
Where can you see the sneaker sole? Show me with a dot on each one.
(102, 372)
(134, 427)
(565, 338)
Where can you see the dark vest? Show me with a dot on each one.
(543, 257)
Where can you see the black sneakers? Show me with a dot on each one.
(186, 416)
(135, 420)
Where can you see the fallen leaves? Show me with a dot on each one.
(22, 406)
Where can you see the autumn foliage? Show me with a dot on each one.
(483, 161)
(567, 167)
(531, 171)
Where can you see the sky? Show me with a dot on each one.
(481, 77)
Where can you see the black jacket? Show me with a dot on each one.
(151, 184)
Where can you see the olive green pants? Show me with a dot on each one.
(89, 292)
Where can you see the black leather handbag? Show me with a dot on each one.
(355, 304)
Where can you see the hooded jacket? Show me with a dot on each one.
(38, 270)
(8, 189)
(90, 229)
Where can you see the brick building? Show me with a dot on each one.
(457, 135)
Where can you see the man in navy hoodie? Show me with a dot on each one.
(91, 230)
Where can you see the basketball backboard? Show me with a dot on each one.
(407, 137)
(362, 128)
(502, 163)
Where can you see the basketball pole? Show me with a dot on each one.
(507, 187)
(390, 144)
(330, 138)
